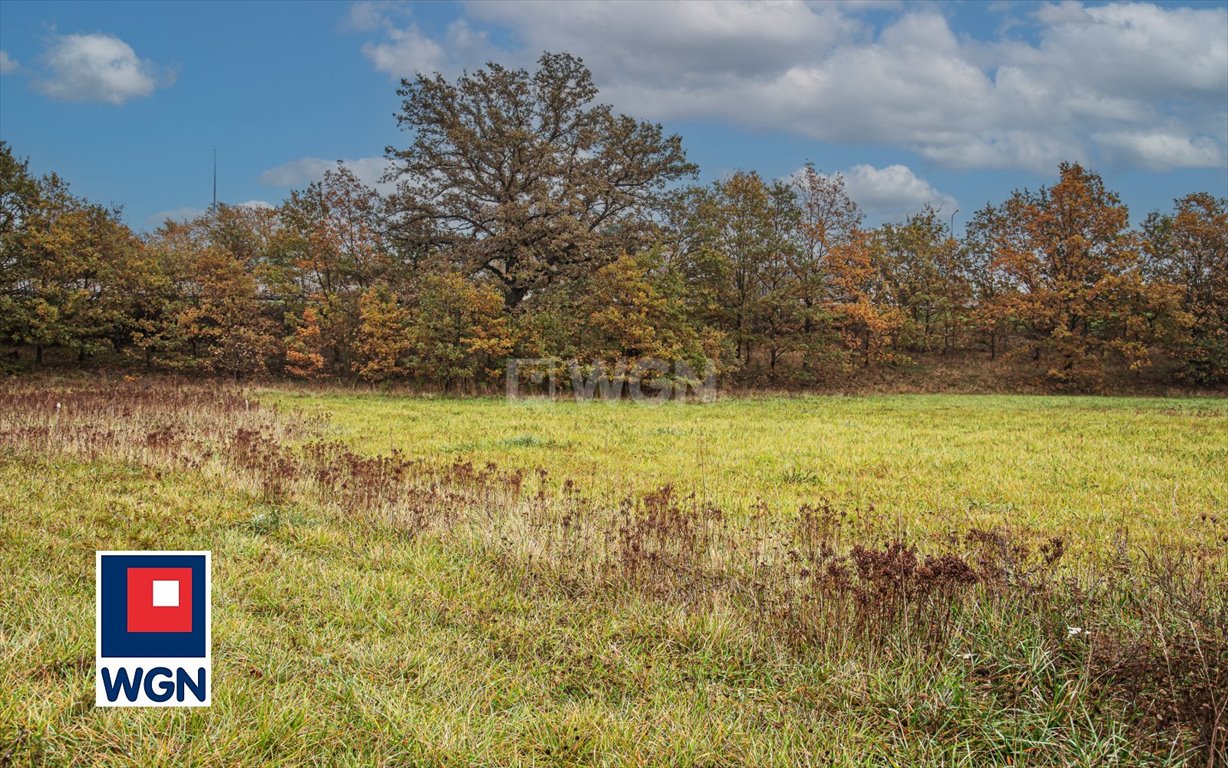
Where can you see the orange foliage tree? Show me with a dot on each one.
(303, 358)
(859, 302)
(1077, 288)
(222, 322)
(382, 338)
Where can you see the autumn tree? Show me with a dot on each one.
(330, 248)
(159, 339)
(633, 314)
(1075, 265)
(19, 197)
(990, 317)
(71, 268)
(522, 176)
(685, 250)
(781, 317)
(246, 232)
(1188, 250)
(829, 219)
(922, 271)
(382, 338)
(210, 307)
(744, 245)
(303, 358)
(222, 321)
(458, 333)
(860, 303)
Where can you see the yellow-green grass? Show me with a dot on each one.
(1092, 469)
(342, 644)
(342, 638)
(333, 647)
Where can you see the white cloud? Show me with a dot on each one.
(893, 190)
(298, 173)
(1134, 51)
(693, 45)
(98, 67)
(891, 193)
(405, 50)
(828, 72)
(367, 15)
(8, 64)
(1160, 151)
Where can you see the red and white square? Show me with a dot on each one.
(159, 599)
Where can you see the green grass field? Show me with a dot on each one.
(416, 613)
(1087, 467)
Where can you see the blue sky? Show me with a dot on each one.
(952, 103)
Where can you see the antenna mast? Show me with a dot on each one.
(214, 206)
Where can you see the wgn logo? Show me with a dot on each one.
(152, 629)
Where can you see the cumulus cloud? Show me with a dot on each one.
(298, 173)
(1160, 151)
(691, 46)
(893, 192)
(1133, 51)
(98, 67)
(1085, 79)
(890, 193)
(405, 50)
(368, 15)
(8, 64)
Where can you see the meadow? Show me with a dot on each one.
(881, 580)
(1088, 468)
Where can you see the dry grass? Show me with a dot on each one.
(1088, 469)
(404, 609)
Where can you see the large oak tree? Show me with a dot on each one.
(522, 176)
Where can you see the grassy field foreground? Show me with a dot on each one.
(848, 581)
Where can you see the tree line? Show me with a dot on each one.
(530, 221)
